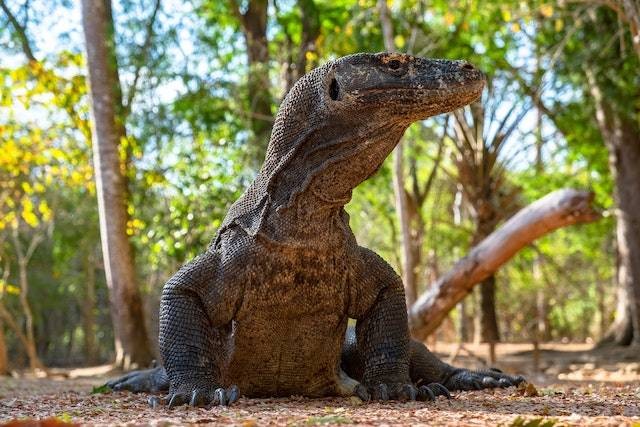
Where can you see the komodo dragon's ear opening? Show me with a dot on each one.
(334, 90)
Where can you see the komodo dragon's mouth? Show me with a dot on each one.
(450, 88)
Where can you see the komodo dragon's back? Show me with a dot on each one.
(264, 310)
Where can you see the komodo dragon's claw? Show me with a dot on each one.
(204, 397)
(405, 392)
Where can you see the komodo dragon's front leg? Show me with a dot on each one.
(196, 311)
(380, 353)
(382, 342)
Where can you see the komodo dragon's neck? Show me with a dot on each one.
(333, 130)
(309, 197)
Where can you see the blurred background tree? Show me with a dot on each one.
(200, 83)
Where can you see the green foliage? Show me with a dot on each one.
(101, 389)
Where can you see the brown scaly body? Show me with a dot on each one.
(264, 310)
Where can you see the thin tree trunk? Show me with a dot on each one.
(486, 322)
(402, 205)
(310, 31)
(88, 312)
(555, 210)
(132, 343)
(13, 325)
(24, 256)
(4, 358)
(254, 29)
(34, 360)
(299, 58)
(488, 319)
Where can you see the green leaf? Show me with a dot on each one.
(101, 389)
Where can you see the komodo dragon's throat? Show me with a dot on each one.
(264, 310)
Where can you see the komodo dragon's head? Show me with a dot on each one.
(340, 121)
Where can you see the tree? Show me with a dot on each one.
(482, 134)
(603, 70)
(132, 343)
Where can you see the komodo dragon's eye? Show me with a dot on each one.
(334, 90)
(394, 64)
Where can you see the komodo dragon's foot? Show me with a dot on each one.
(403, 392)
(155, 380)
(464, 379)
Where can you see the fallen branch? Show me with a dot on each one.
(558, 209)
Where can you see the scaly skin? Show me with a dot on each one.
(265, 308)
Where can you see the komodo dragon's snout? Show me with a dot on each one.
(400, 87)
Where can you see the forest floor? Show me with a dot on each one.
(573, 386)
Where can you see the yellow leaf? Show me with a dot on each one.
(9, 288)
(515, 27)
(76, 177)
(399, 41)
(44, 209)
(506, 15)
(546, 10)
(449, 18)
(559, 25)
(311, 56)
(27, 188)
(10, 218)
(57, 153)
(348, 30)
(27, 213)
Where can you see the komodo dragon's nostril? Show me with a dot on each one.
(468, 66)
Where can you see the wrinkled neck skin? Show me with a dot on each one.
(309, 196)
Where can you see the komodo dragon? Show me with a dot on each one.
(264, 310)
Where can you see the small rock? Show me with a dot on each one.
(527, 390)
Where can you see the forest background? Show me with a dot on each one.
(194, 88)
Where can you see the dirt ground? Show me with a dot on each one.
(574, 386)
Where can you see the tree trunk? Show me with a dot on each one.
(23, 257)
(13, 325)
(34, 360)
(254, 29)
(88, 312)
(555, 210)
(622, 138)
(625, 158)
(489, 332)
(4, 359)
(486, 330)
(132, 343)
(464, 329)
(402, 206)
(298, 62)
